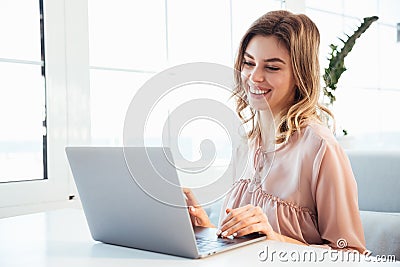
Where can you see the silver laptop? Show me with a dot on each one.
(120, 211)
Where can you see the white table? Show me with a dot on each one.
(62, 238)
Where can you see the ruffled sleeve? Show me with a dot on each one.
(336, 199)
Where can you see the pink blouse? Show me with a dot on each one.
(306, 188)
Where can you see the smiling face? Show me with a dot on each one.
(268, 74)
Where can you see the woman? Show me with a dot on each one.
(308, 194)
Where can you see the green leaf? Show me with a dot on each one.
(336, 60)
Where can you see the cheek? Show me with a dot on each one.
(281, 82)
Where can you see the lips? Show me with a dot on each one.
(256, 90)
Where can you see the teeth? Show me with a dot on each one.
(257, 91)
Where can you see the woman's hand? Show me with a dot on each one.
(246, 220)
(198, 215)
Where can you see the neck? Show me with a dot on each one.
(268, 123)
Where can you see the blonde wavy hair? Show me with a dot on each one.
(300, 36)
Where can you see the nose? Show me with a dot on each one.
(257, 75)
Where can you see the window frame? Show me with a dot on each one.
(67, 105)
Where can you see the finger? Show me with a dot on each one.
(254, 228)
(199, 217)
(192, 215)
(186, 190)
(235, 213)
(192, 210)
(235, 221)
(199, 221)
(190, 197)
(240, 225)
(196, 212)
(227, 210)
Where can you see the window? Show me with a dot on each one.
(23, 141)
(40, 115)
(152, 36)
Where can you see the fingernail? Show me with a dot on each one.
(234, 234)
(227, 211)
(219, 232)
(192, 209)
(224, 233)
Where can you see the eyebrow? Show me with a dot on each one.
(274, 59)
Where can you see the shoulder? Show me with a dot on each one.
(328, 152)
(316, 142)
(317, 133)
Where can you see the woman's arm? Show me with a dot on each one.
(337, 201)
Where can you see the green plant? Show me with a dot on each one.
(336, 61)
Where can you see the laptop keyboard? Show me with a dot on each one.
(204, 244)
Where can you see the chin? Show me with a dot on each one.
(259, 104)
(260, 107)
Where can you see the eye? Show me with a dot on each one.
(270, 68)
(248, 63)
